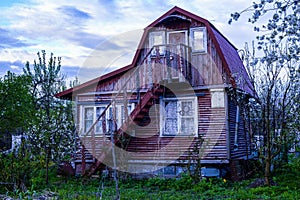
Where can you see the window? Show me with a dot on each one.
(179, 117)
(198, 40)
(92, 113)
(157, 38)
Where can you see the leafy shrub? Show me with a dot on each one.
(17, 169)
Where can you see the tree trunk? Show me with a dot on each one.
(285, 158)
(267, 171)
(48, 152)
(268, 156)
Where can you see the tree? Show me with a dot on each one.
(17, 110)
(16, 114)
(273, 112)
(276, 76)
(52, 133)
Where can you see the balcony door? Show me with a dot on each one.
(177, 40)
(177, 37)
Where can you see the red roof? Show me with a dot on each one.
(228, 53)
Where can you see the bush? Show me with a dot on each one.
(17, 170)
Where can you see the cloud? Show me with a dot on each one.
(15, 67)
(8, 40)
(90, 41)
(73, 12)
(98, 29)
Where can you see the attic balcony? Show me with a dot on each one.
(168, 63)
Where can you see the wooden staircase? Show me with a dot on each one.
(136, 115)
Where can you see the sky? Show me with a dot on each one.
(96, 36)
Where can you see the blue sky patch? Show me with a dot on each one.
(74, 12)
(8, 40)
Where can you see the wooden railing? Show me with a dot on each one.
(169, 63)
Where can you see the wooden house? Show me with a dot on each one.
(171, 108)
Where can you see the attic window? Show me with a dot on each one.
(155, 39)
(198, 40)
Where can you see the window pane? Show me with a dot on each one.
(123, 112)
(110, 118)
(187, 108)
(88, 118)
(99, 126)
(171, 109)
(87, 125)
(171, 126)
(187, 126)
(177, 38)
(88, 113)
(198, 39)
(171, 121)
(157, 40)
(179, 117)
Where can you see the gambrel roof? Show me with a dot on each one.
(231, 61)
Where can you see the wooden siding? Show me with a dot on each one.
(243, 138)
(207, 67)
(211, 127)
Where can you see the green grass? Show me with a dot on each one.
(287, 179)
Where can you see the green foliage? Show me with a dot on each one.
(185, 188)
(16, 105)
(18, 169)
(162, 188)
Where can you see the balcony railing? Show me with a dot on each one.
(168, 63)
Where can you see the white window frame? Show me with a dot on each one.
(152, 43)
(192, 39)
(107, 116)
(181, 31)
(179, 118)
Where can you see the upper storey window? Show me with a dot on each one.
(198, 40)
(157, 38)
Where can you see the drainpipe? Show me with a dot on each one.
(235, 146)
